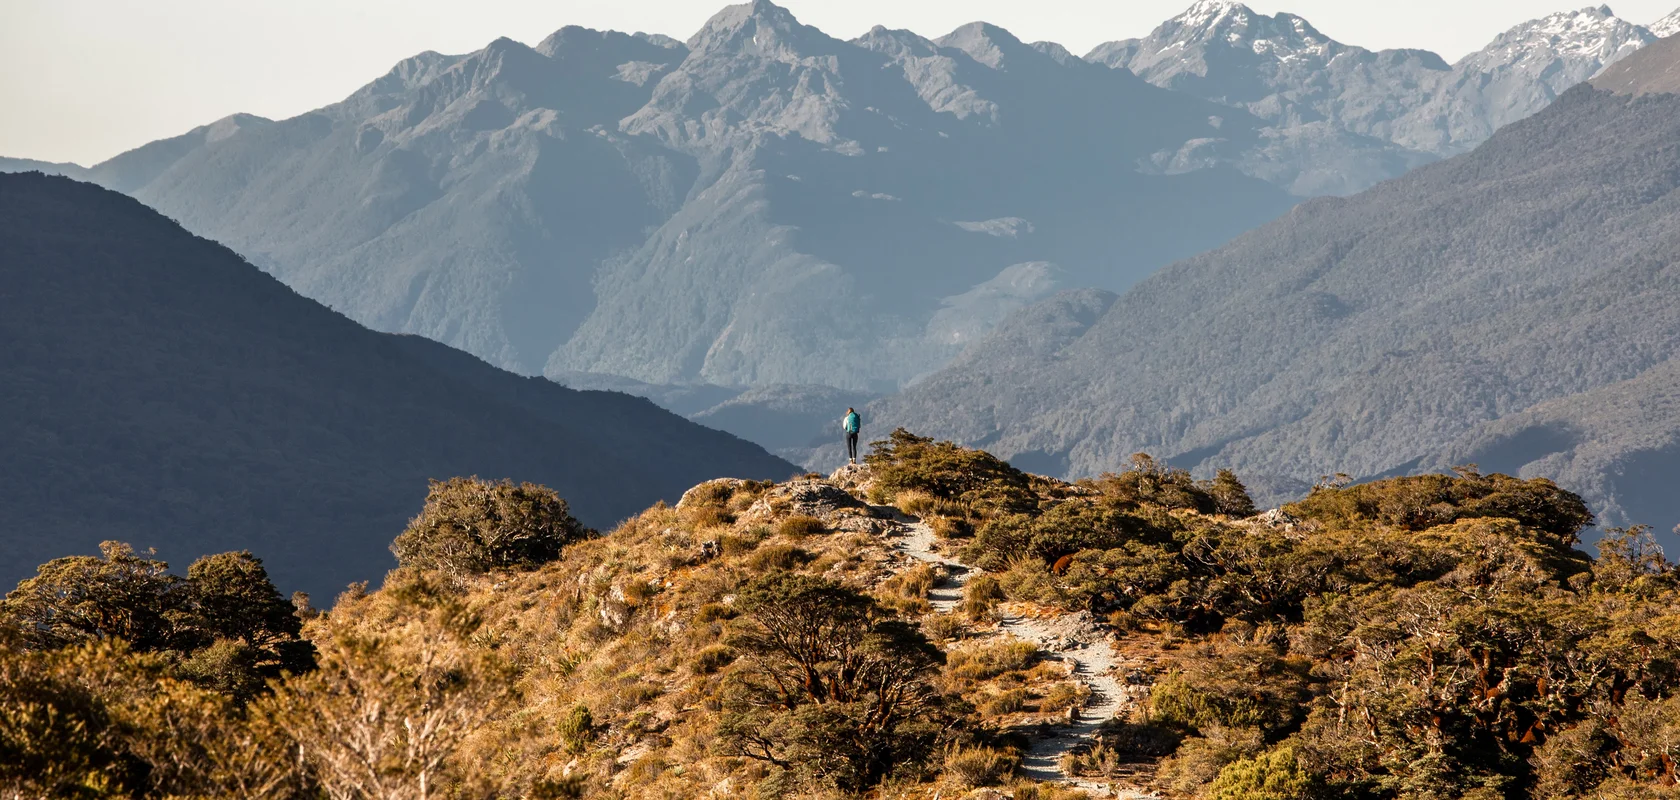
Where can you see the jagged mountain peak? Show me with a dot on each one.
(759, 27)
(1237, 23)
(895, 43)
(1219, 26)
(1056, 52)
(1594, 32)
(1667, 26)
(411, 72)
(985, 43)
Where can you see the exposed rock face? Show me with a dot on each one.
(811, 497)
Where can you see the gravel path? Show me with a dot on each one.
(1068, 638)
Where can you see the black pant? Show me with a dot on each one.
(851, 445)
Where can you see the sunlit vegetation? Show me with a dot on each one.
(1426, 637)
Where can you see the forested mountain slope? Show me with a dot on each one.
(157, 389)
(1379, 333)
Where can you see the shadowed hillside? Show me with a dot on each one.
(159, 390)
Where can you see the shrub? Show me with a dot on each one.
(1029, 580)
(980, 480)
(1097, 761)
(777, 557)
(712, 659)
(229, 629)
(799, 526)
(980, 766)
(914, 502)
(829, 684)
(1425, 501)
(745, 542)
(1273, 775)
(913, 583)
(1063, 696)
(1150, 482)
(1233, 687)
(988, 660)
(1198, 762)
(700, 517)
(1230, 496)
(943, 627)
(712, 612)
(951, 527)
(1004, 703)
(577, 729)
(982, 593)
(471, 526)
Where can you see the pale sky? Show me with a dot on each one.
(83, 80)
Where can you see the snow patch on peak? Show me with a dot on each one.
(1588, 35)
(1220, 23)
(1209, 13)
(1667, 26)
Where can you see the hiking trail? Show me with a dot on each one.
(1071, 639)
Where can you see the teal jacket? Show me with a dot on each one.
(852, 422)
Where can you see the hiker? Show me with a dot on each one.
(851, 425)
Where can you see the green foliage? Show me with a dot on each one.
(577, 728)
(945, 471)
(224, 626)
(1229, 495)
(778, 557)
(470, 526)
(1425, 501)
(980, 595)
(1233, 686)
(117, 595)
(829, 687)
(1273, 775)
(1150, 482)
(101, 720)
(1065, 529)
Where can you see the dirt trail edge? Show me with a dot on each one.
(1089, 653)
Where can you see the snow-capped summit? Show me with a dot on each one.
(1279, 36)
(1667, 26)
(1223, 31)
(1568, 47)
(1226, 52)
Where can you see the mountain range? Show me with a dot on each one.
(1372, 115)
(159, 390)
(765, 205)
(1515, 307)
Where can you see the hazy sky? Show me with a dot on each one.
(83, 80)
